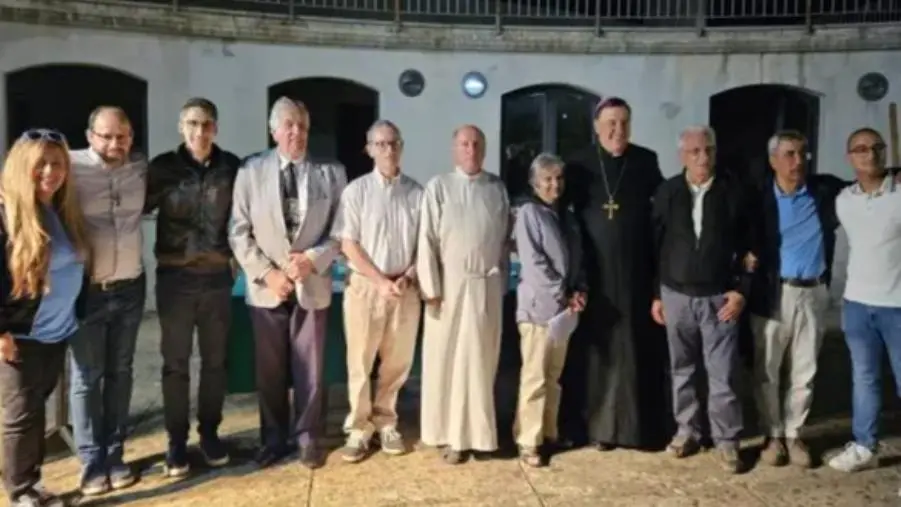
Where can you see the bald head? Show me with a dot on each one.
(469, 148)
(110, 134)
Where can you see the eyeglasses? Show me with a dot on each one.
(53, 136)
(861, 149)
(382, 145)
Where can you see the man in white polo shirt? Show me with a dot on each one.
(870, 212)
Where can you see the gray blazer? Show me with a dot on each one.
(258, 236)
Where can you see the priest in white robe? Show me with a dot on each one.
(462, 259)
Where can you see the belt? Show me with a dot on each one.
(113, 285)
(805, 283)
(391, 278)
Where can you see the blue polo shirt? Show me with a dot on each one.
(802, 254)
(55, 318)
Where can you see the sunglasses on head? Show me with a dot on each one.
(54, 136)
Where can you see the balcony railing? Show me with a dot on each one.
(574, 14)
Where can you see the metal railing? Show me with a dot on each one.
(601, 14)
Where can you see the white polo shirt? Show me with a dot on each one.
(873, 225)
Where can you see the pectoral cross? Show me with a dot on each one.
(610, 207)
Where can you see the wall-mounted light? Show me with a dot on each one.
(411, 82)
(474, 84)
(872, 86)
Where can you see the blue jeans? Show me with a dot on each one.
(102, 352)
(870, 331)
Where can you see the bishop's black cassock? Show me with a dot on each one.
(615, 383)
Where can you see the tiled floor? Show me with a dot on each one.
(580, 478)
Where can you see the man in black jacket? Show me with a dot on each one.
(700, 231)
(192, 189)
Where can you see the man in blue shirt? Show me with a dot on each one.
(794, 243)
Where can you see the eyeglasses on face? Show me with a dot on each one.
(861, 149)
(51, 135)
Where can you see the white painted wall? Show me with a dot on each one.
(236, 77)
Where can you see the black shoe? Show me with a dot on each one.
(177, 464)
(214, 451)
(309, 456)
(268, 456)
(604, 447)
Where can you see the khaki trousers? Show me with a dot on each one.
(789, 340)
(374, 325)
(539, 389)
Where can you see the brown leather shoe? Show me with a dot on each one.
(683, 447)
(729, 459)
(452, 457)
(798, 454)
(774, 453)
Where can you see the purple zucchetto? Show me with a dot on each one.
(611, 102)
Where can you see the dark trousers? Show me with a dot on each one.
(186, 301)
(25, 387)
(102, 372)
(289, 346)
(696, 338)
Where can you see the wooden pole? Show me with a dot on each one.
(893, 134)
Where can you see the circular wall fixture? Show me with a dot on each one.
(411, 82)
(474, 84)
(872, 86)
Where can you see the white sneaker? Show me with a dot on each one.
(853, 458)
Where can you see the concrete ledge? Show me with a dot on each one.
(187, 22)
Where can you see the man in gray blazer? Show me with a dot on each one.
(282, 212)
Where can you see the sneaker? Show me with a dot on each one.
(392, 442)
(177, 464)
(214, 451)
(798, 454)
(356, 448)
(121, 476)
(774, 454)
(94, 482)
(37, 496)
(853, 458)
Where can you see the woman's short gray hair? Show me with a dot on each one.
(543, 161)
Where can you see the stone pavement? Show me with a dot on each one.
(578, 478)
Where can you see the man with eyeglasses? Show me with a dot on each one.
(111, 186)
(191, 187)
(793, 249)
(377, 224)
(870, 212)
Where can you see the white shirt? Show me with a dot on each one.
(873, 225)
(382, 215)
(697, 204)
(112, 200)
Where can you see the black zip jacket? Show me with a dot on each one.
(712, 263)
(194, 203)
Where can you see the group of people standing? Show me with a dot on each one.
(658, 271)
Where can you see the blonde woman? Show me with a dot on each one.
(549, 247)
(41, 277)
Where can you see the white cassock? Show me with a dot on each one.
(462, 258)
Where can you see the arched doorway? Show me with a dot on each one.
(745, 118)
(341, 111)
(34, 99)
(554, 118)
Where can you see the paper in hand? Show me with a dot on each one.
(562, 325)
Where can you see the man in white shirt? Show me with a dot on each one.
(377, 224)
(870, 212)
(111, 182)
